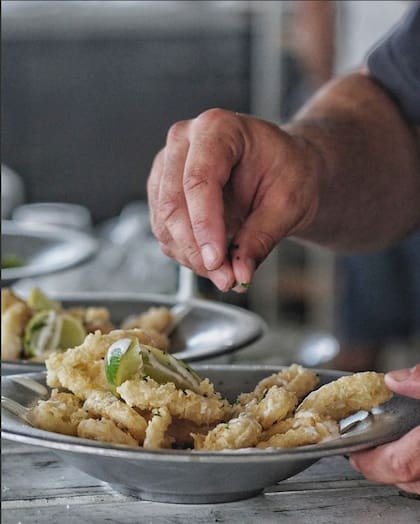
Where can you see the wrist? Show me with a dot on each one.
(314, 176)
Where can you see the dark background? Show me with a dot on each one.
(82, 118)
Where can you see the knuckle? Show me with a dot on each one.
(193, 255)
(213, 115)
(201, 226)
(265, 244)
(196, 178)
(176, 132)
(168, 209)
(405, 470)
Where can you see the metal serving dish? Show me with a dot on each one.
(194, 477)
(43, 249)
(209, 328)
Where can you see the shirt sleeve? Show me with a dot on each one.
(395, 64)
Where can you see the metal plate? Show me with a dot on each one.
(204, 477)
(208, 330)
(43, 249)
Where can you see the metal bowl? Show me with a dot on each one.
(43, 249)
(195, 477)
(209, 328)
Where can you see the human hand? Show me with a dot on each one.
(225, 189)
(398, 462)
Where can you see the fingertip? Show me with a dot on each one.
(399, 375)
(222, 278)
(243, 269)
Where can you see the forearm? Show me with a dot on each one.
(367, 161)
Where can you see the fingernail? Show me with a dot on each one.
(244, 270)
(222, 279)
(399, 375)
(209, 254)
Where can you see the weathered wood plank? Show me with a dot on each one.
(39, 488)
(297, 507)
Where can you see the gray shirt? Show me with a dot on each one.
(395, 64)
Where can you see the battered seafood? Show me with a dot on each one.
(155, 401)
(32, 329)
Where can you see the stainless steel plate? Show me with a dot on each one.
(208, 330)
(204, 477)
(43, 249)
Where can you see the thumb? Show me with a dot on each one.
(255, 239)
(405, 381)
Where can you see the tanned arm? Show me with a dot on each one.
(370, 182)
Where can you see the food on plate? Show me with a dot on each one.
(345, 396)
(34, 328)
(123, 388)
(127, 356)
(11, 260)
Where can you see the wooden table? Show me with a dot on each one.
(37, 487)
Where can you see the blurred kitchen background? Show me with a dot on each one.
(89, 90)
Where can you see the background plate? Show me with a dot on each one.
(43, 249)
(205, 477)
(208, 330)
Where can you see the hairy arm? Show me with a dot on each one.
(370, 172)
(227, 187)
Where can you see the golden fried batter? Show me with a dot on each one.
(241, 432)
(300, 431)
(61, 413)
(347, 395)
(156, 430)
(104, 430)
(145, 412)
(15, 314)
(295, 379)
(81, 369)
(105, 404)
(146, 394)
(276, 404)
(93, 318)
(155, 318)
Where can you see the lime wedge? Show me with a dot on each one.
(122, 361)
(163, 367)
(72, 332)
(48, 330)
(42, 333)
(38, 301)
(127, 356)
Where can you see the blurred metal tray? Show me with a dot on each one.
(43, 249)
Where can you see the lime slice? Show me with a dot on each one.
(38, 301)
(163, 367)
(127, 356)
(122, 361)
(72, 332)
(42, 333)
